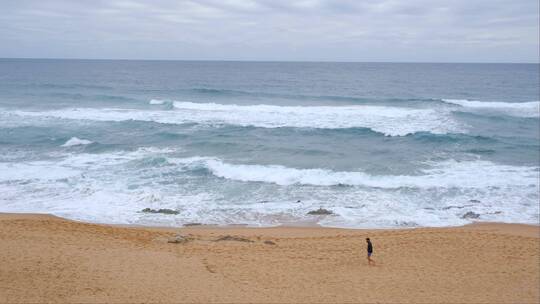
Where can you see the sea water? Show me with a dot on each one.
(264, 143)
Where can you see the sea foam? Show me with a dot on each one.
(75, 141)
(391, 121)
(447, 174)
(113, 187)
(157, 102)
(443, 174)
(519, 109)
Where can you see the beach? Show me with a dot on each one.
(258, 151)
(49, 259)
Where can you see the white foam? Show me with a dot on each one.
(448, 174)
(114, 187)
(72, 165)
(38, 170)
(520, 109)
(392, 121)
(75, 141)
(157, 102)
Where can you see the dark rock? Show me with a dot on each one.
(233, 238)
(163, 211)
(406, 224)
(269, 243)
(470, 215)
(320, 211)
(456, 207)
(167, 211)
(192, 224)
(474, 201)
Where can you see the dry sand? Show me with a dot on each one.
(48, 259)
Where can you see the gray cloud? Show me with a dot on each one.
(347, 30)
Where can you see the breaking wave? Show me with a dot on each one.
(390, 121)
(75, 141)
(444, 174)
(447, 174)
(114, 187)
(519, 109)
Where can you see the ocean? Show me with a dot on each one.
(263, 143)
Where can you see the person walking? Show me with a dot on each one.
(369, 251)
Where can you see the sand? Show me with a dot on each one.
(49, 259)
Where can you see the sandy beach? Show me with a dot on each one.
(48, 259)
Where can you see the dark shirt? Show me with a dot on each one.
(369, 247)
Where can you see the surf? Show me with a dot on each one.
(387, 120)
(519, 109)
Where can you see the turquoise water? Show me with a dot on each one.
(263, 143)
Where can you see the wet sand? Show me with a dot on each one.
(49, 259)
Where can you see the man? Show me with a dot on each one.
(369, 251)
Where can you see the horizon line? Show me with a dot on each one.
(263, 61)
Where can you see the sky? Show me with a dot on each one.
(273, 30)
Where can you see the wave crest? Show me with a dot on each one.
(388, 120)
(75, 141)
(519, 109)
(447, 174)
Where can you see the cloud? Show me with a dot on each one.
(371, 30)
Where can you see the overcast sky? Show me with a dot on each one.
(307, 30)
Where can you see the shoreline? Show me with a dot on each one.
(291, 225)
(45, 258)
